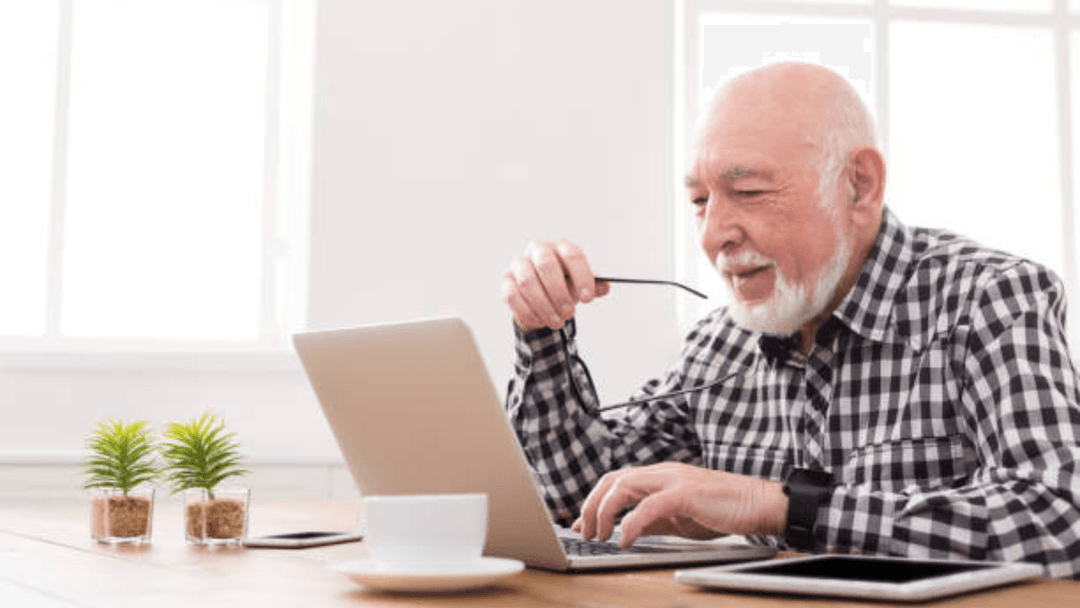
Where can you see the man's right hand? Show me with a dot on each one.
(543, 285)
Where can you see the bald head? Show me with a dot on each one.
(813, 104)
(787, 187)
(811, 95)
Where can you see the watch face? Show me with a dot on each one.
(811, 477)
(806, 488)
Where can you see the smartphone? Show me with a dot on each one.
(301, 540)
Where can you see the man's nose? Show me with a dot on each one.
(720, 230)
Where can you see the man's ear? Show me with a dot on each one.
(866, 177)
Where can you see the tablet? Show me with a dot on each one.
(858, 576)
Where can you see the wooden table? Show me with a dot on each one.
(48, 560)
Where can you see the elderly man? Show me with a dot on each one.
(872, 388)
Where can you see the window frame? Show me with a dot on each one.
(690, 15)
(285, 215)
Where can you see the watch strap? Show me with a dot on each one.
(806, 490)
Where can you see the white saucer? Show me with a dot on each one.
(429, 577)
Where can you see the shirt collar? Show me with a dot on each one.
(867, 309)
(778, 348)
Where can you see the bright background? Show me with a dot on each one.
(194, 180)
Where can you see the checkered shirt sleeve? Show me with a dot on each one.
(569, 445)
(940, 394)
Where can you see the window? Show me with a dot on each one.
(154, 191)
(971, 99)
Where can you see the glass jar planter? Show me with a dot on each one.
(218, 518)
(118, 518)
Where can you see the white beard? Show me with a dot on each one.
(790, 306)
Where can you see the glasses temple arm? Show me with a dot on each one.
(653, 282)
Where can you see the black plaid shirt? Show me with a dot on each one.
(940, 394)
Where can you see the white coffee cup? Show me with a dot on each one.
(425, 529)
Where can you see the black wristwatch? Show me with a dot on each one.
(806, 489)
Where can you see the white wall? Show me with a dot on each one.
(447, 134)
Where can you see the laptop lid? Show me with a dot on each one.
(414, 411)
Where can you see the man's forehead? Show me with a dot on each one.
(748, 151)
(752, 130)
(754, 123)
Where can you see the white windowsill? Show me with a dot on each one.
(78, 458)
(56, 361)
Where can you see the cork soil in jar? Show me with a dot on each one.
(216, 520)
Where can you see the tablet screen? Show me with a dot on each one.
(861, 569)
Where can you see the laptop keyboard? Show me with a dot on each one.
(579, 547)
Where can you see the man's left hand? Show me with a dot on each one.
(684, 500)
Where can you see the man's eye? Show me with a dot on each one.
(750, 193)
(700, 201)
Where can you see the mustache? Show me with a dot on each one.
(725, 263)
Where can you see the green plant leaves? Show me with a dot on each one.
(199, 454)
(196, 454)
(122, 456)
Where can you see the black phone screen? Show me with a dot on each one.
(303, 535)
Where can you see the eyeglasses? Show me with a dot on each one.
(653, 282)
(573, 379)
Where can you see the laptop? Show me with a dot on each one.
(414, 411)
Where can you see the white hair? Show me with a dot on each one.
(847, 125)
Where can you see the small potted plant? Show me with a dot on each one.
(119, 472)
(199, 455)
